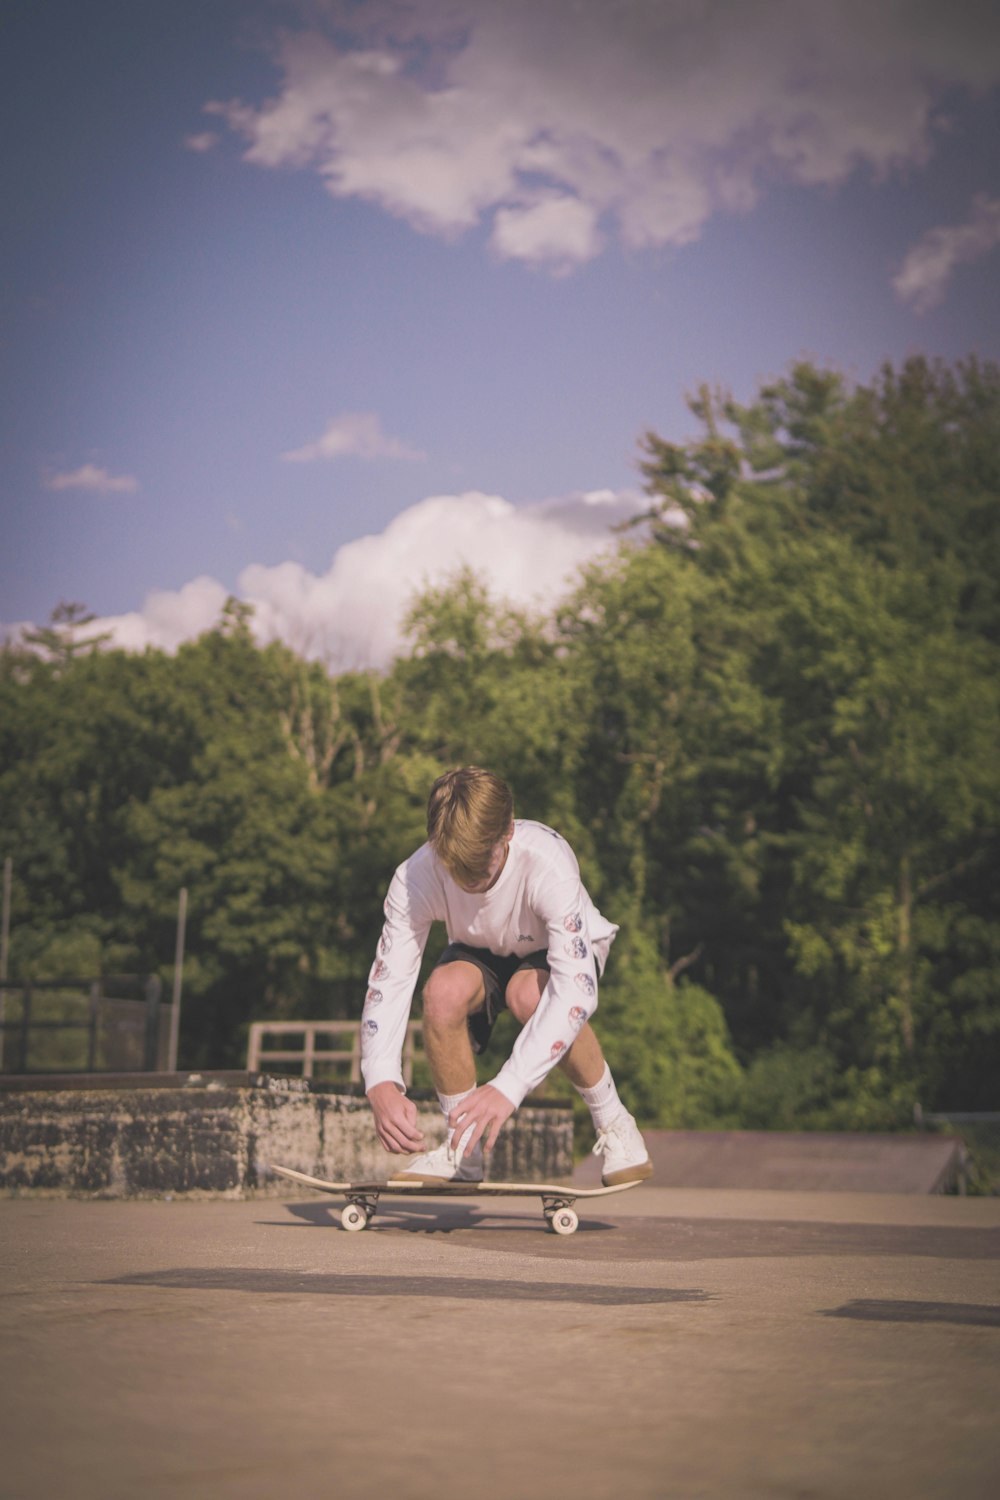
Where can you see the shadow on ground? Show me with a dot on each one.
(473, 1288)
(636, 1238)
(969, 1314)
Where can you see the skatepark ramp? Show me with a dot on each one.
(806, 1161)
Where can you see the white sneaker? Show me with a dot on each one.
(443, 1165)
(625, 1156)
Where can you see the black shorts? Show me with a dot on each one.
(497, 971)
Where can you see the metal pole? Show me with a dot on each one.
(175, 1009)
(8, 871)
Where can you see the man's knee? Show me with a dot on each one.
(451, 993)
(524, 992)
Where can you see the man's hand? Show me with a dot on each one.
(485, 1111)
(395, 1119)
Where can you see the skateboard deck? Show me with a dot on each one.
(362, 1197)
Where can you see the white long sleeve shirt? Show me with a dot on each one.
(538, 902)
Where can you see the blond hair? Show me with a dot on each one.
(469, 812)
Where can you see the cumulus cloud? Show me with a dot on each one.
(350, 615)
(357, 434)
(202, 141)
(560, 123)
(167, 617)
(559, 231)
(97, 481)
(926, 270)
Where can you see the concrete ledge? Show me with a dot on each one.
(216, 1135)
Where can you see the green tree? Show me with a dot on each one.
(668, 1044)
(61, 641)
(847, 530)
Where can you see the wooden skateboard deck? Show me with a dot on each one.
(362, 1197)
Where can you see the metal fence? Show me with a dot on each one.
(115, 1023)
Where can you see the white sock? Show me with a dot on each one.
(448, 1102)
(602, 1100)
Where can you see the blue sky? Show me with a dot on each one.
(311, 301)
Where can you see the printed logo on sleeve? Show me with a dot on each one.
(385, 942)
(577, 1016)
(585, 983)
(577, 948)
(574, 922)
(557, 1047)
(370, 1028)
(373, 997)
(379, 969)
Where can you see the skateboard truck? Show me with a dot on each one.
(360, 1209)
(559, 1213)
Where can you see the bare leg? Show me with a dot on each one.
(451, 994)
(584, 1062)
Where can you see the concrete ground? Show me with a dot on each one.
(682, 1343)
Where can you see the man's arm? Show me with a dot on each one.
(391, 982)
(570, 996)
(395, 1118)
(481, 1116)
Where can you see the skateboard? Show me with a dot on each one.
(362, 1197)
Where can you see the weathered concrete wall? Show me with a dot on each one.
(214, 1136)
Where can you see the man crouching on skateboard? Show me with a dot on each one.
(523, 934)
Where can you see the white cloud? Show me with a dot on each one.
(352, 612)
(926, 270)
(350, 615)
(205, 140)
(559, 231)
(97, 481)
(357, 434)
(167, 617)
(561, 120)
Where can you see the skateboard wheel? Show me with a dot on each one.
(564, 1221)
(353, 1218)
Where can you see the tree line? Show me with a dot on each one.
(767, 723)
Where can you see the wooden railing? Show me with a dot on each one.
(308, 1053)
